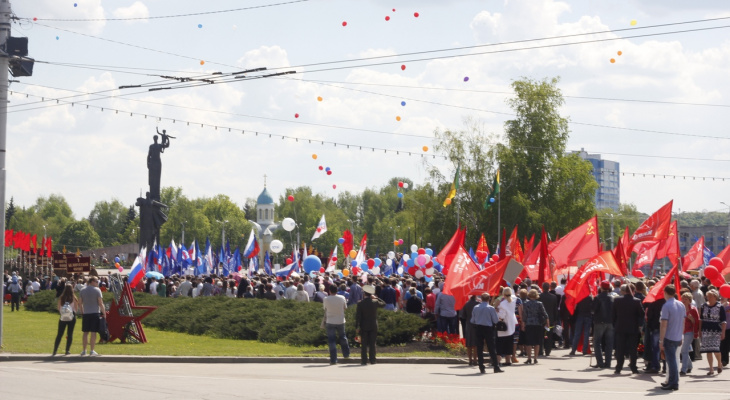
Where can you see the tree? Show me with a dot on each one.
(249, 209)
(9, 212)
(79, 234)
(627, 215)
(56, 213)
(219, 209)
(108, 218)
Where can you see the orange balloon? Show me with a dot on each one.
(345, 272)
(425, 148)
(319, 98)
(395, 243)
(353, 253)
(314, 156)
(619, 53)
(613, 60)
(397, 118)
(202, 62)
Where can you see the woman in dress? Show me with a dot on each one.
(506, 311)
(712, 328)
(534, 321)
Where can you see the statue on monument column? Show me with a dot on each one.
(151, 218)
(154, 163)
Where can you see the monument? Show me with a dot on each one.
(151, 210)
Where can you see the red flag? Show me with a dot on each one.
(448, 253)
(16, 239)
(578, 287)
(348, 243)
(529, 246)
(670, 246)
(482, 246)
(579, 244)
(461, 268)
(725, 256)
(487, 280)
(656, 227)
(49, 247)
(646, 254)
(543, 269)
(531, 264)
(657, 291)
(8, 237)
(695, 256)
(503, 243)
(618, 253)
(34, 242)
(26, 243)
(513, 248)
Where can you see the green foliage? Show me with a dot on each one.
(79, 234)
(53, 212)
(697, 219)
(45, 301)
(9, 212)
(627, 215)
(109, 219)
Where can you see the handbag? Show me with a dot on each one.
(501, 326)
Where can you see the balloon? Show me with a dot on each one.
(120, 269)
(414, 248)
(406, 257)
(619, 53)
(410, 262)
(353, 254)
(76, 5)
(276, 246)
(447, 201)
(400, 195)
(466, 79)
(397, 118)
(495, 257)
(400, 184)
(290, 198)
(321, 270)
(117, 265)
(637, 273)
(116, 259)
(613, 60)
(199, 25)
(412, 270)
(344, 23)
(288, 261)
(429, 252)
(387, 18)
(353, 263)
(711, 272)
(288, 224)
(57, 39)
(421, 261)
(297, 116)
(378, 262)
(314, 156)
(420, 251)
(428, 258)
(389, 262)
(633, 22)
(341, 240)
(327, 169)
(376, 271)
(345, 272)
(403, 103)
(364, 266)
(429, 271)
(395, 243)
(319, 98)
(416, 15)
(311, 263)
(425, 148)
(405, 185)
(419, 274)
(371, 263)
(518, 280)
(491, 200)
(201, 61)
(403, 67)
(717, 263)
(400, 242)
(391, 255)
(400, 270)
(334, 186)
(725, 291)
(329, 172)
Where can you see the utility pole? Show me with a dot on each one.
(5, 14)
(183, 232)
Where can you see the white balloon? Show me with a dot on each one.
(406, 257)
(389, 262)
(405, 185)
(427, 257)
(429, 271)
(391, 255)
(375, 270)
(400, 270)
(277, 246)
(419, 274)
(288, 224)
(414, 248)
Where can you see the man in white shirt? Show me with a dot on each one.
(153, 286)
(291, 290)
(334, 314)
(309, 287)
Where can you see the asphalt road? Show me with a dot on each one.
(556, 377)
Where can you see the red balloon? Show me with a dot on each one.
(495, 257)
(296, 115)
(355, 271)
(387, 18)
(344, 23)
(371, 263)
(637, 273)
(421, 251)
(412, 270)
(334, 186)
(290, 198)
(394, 10)
(518, 280)
(725, 291)
(288, 261)
(321, 270)
(416, 15)
(329, 172)
(717, 263)
(429, 264)
(711, 273)
(321, 168)
(403, 67)
(400, 184)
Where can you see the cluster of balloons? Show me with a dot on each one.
(398, 242)
(495, 259)
(403, 185)
(712, 272)
(482, 256)
(116, 261)
(420, 262)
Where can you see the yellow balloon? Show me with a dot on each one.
(345, 272)
(397, 118)
(353, 254)
(633, 22)
(314, 156)
(319, 98)
(425, 148)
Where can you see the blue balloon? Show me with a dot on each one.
(116, 259)
(428, 279)
(491, 200)
(327, 169)
(414, 256)
(311, 264)
(400, 195)
(341, 240)
(340, 274)
(429, 252)
(378, 262)
(200, 25)
(364, 266)
(353, 263)
(403, 103)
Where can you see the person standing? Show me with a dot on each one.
(468, 329)
(712, 328)
(550, 302)
(334, 313)
(389, 296)
(699, 298)
(92, 309)
(506, 339)
(366, 323)
(691, 331)
(484, 318)
(627, 317)
(534, 321)
(67, 306)
(603, 326)
(651, 336)
(355, 292)
(670, 335)
(583, 321)
(446, 313)
(16, 292)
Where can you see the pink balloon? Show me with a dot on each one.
(421, 260)
(400, 242)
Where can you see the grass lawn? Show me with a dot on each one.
(34, 332)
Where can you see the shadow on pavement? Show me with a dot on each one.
(572, 380)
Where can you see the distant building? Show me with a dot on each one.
(265, 223)
(608, 175)
(715, 237)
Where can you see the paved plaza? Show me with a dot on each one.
(557, 377)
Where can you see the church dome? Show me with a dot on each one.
(265, 198)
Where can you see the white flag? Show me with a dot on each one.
(321, 228)
(332, 262)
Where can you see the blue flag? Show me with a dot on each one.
(267, 264)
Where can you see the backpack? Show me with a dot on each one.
(67, 312)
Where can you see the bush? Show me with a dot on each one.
(45, 301)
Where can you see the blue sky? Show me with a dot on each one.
(89, 155)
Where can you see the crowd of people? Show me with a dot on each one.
(521, 324)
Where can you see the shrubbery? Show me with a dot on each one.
(282, 321)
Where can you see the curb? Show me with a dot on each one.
(220, 360)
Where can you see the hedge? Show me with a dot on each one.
(283, 321)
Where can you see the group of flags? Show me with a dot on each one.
(26, 242)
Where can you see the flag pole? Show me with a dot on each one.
(499, 220)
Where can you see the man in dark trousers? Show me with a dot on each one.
(603, 326)
(484, 318)
(628, 317)
(550, 302)
(366, 322)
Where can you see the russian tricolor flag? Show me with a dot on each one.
(252, 247)
(138, 268)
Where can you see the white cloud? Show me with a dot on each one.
(136, 10)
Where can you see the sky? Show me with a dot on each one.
(629, 110)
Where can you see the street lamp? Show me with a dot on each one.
(223, 232)
(611, 215)
(182, 239)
